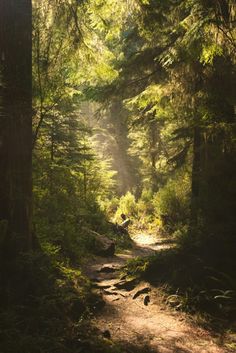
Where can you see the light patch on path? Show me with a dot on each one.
(151, 242)
(151, 328)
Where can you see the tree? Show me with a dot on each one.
(15, 127)
(177, 67)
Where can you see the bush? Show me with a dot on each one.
(145, 206)
(172, 202)
(128, 206)
(110, 206)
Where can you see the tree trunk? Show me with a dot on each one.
(122, 162)
(16, 125)
(196, 169)
(153, 137)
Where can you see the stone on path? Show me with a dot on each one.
(144, 290)
(127, 285)
(146, 300)
(108, 269)
(103, 246)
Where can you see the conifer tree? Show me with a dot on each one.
(16, 123)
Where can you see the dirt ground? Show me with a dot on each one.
(135, 315)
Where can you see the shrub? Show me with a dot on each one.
(172, 202)
(128, 206)
(110, 206)
(145, 205)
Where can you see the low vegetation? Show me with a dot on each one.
(110, 109)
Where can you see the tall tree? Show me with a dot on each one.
(16, 125)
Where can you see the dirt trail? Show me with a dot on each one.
(144, 324)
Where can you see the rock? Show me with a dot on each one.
(102, 245)
(141, 291)
(146, 300)
(127, 285)
(105, 246)
(107, 269)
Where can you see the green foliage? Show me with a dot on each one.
(39, 321)
(127, 205)
(110, 206)
(172, 202)
(145, 204)
(194, 277)
(160, 70)
(70, 182)
(135, 268)
(222, 292)
(209, 53)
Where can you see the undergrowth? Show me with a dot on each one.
(54, 314)
(197, 279)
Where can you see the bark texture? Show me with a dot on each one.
(16, 124)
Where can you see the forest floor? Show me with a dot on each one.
(135, 316)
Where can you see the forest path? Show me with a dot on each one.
(144, 324)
